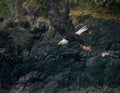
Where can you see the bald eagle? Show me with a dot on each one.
(63, 25)
(69, 37)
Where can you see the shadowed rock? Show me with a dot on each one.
(40, 66)
(1, 20)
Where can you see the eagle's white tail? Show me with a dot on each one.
(81, 30)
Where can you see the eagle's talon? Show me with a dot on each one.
(86, 48)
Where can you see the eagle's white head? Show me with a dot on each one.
(63, 42)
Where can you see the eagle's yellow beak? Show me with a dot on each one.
(59, 43)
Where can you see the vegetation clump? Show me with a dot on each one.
(3, 7)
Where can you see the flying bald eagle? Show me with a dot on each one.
(63, 24)
(76, 37)
(69, 37)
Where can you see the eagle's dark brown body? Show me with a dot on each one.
(62, 22)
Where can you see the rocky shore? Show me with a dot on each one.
(32, 62)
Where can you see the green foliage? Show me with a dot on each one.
(3, 6)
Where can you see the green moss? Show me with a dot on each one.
(3, 7)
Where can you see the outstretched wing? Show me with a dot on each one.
(67, 21)
(81, 30)
(62, 23)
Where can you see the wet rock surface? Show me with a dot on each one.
(39, 65)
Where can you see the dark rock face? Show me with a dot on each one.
(40, 28)
(17, 43)
(1, 19)
(31, 65)
(23, 24)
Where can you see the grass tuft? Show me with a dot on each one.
(97, 13)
